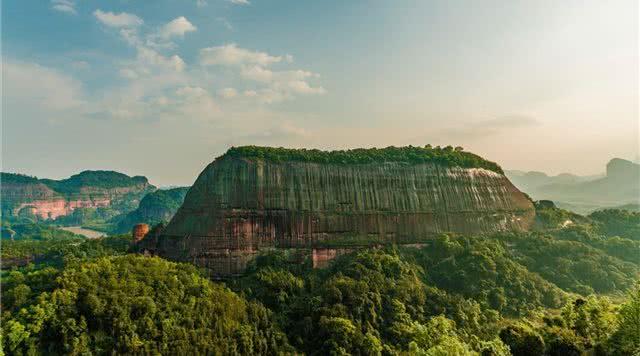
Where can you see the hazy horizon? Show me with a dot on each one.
(170, 184)
(162, 89)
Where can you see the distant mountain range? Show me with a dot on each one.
(619, 186)
(113, 202)
(102, 200)
(48, 199)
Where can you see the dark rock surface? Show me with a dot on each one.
(238, 206)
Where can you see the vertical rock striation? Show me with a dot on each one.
(240, 205)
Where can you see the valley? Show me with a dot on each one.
(390, 251)
(619, 186)
(320, 178)
(79, 230)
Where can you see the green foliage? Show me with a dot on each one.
(447, 156)
(86, 216)
(500, 294)
(522, 340)
(616, 222)
(369, 302)
(16, 178)
(615, 246)
(583, 326)
(485, 271)
(571, 265)
(550, 217)
(97, 179)
(626, 340)
(28, 230)
(138, 305)
(59, 251)
(87, 185)
(154, 208)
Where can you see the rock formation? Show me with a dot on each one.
(139, 231)
(51, 199)
(620, 186)
(239, 205)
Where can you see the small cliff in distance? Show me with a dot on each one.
(254, 197)
(48, 199)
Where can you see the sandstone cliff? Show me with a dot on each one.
(239, 205)
(51, 199)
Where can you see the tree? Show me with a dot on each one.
(522, 340)
(627, 339)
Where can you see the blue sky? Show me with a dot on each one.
(160, 88)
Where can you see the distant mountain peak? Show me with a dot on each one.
(622, 168)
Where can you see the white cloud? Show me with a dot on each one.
(66, 6)
(34, 88)
(225, 23)
(302, 87)
(195, 103)
(201, 3)
(191, 92)
(257, 73)
(122, 19)
(282, 85)
(158, 85)
(176, 28)
(239, 2)
(148, 60)
(228, 93)
(128, 73)
(152, 57)
(278, 133)
(254, 65)
(232, 55)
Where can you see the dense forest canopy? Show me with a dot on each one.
(156, 207)
(99, 179)
(564, 289)
(446, 156)
(8, 178)
(169, 199)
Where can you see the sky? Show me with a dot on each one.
(161, 88)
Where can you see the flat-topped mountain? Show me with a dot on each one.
(259, 197)
(51, 199)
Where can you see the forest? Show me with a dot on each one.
(562, 289)
(446, 156)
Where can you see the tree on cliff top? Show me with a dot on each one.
(446, 156)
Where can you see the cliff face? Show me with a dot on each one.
(238, 206)
(51, 199)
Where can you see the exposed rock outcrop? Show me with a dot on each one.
(240, 205)
(51, 199)
(139, 231)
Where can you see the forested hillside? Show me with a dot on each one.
(154, 208)
(86, 198)
(568, 288)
